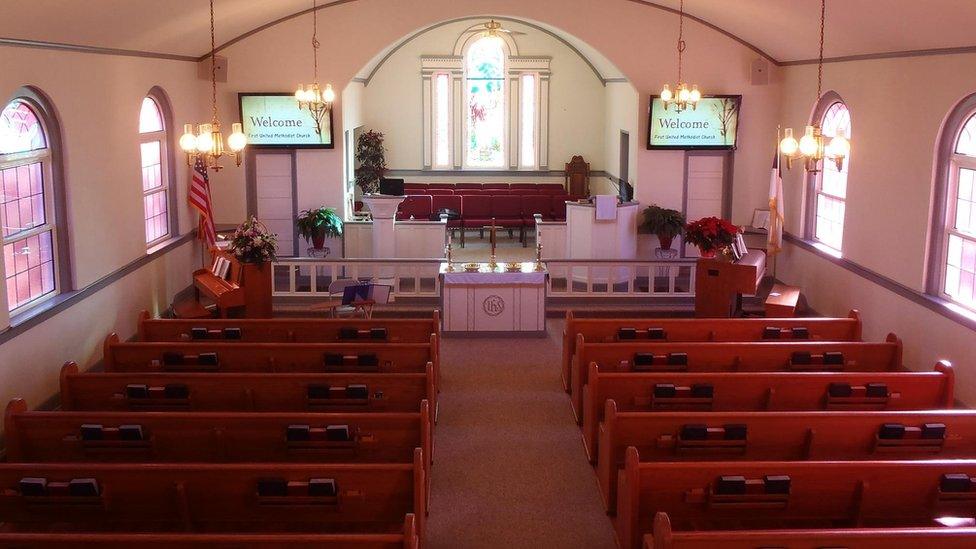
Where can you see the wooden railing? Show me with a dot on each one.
(310, 277)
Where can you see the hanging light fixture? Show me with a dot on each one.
(311, 96)
(207, 142)
(682, 97)
(811, 147)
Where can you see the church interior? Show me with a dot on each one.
(645, 274)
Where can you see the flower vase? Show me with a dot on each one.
(706, 254)
(665, 241)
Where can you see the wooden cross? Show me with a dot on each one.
(493, 239)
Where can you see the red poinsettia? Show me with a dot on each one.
(711, 233)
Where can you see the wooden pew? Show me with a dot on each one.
(407, 539)
(780, 436)
(796, 494)
(289, 330)
(607, 330)
(733, 357)
(131, 437)
(226, 497)
(201, 392)
(268, 357)
(664, 537)
(762, 391)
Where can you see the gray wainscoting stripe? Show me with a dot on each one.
(62, 302)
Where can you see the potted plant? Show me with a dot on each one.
(372, 161)
(316, 224)
(255, 247)
(663, 222)
(711, 234)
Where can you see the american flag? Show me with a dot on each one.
(200, 199)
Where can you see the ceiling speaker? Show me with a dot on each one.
(760, 72)
(203, 68)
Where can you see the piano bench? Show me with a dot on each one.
(191, 308)
(781, 301)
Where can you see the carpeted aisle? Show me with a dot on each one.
(509, 468)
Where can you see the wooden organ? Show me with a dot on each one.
(244, 285)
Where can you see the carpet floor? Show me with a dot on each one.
(509, 468)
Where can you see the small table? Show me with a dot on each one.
(494, 301)
(332, 305)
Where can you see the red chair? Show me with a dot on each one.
(414, 186)
(450, 203)
(414, 192)
(552, 189)
(448, 186)
(487, 186)
(525, 186)
(507, 211)
(469, 186)
(416, 207)
(433, 192)
(475, 213)
(559, 207)
(472, 192)
(535, 204)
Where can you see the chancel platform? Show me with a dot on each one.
(508, 299)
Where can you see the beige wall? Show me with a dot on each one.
(621, 115)
(895, 128)
(97, 99)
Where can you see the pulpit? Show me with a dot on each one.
(720, 285)
(578, 177)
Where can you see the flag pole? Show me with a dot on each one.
(778, 206)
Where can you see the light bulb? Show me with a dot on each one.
(236, 140)
(188, 141)
(695, 94)
(808, 143)
(666, 94)
(788, 145)
(839, 147)
(683, 94)
(300, 93)
(205, 141)
(329, 94)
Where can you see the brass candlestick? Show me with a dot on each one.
(538, 258)
(492, 234)
(449, 252)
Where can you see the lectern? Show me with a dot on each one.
(720, 285)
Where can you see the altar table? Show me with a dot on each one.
(493, 301)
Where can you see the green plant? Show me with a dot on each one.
(372, 161)
(319, 223)
(662, 221)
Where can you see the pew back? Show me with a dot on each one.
(170, 391)
(733, 357)
(607, 330)
(289, 330)
(776, 494)
(780, 436)
(770, 391)
(238, 498)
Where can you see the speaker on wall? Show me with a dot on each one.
(760, 72)
(203, 68)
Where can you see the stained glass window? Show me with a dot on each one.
(831, 184)
(155, 187)
(485, 78)
(28, 228)
(960, 241)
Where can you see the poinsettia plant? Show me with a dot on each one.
(711, 233)
(254, 243)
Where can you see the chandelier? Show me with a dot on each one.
(682, 97)
(207, 141)
(311, 96)
(812, 147)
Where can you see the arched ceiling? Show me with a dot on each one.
(784, 30)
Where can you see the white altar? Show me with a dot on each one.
(494, 301)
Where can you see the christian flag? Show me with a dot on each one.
(201, 200)
(774, 244)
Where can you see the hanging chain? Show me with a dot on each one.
(315, 43)
(823, 13)
(213, 64)
(681, 33)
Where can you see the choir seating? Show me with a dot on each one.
(246, 392)
(762, 391)
(221, 356)
(776, 494)
(406, 540)
(732, 357)
(780, 436)
(224, 497)
(289, 330)
(207, 437)
(664, 537)
(626, 330)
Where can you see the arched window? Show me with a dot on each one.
(484, 72)
(27, 206)
(155, 171)
(955, 219)
(829, 186)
